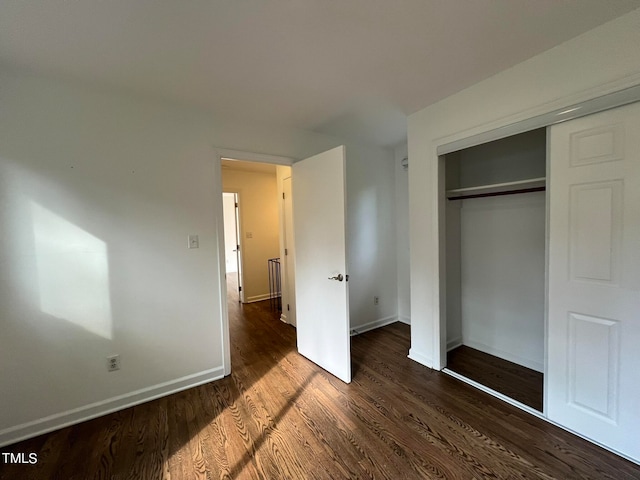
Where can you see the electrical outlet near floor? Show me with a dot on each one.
(376, 300)
(113, 363)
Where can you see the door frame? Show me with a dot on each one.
(286, 234)
(218, 155)
(237, 223)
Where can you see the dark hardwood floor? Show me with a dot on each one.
(513, 380)
(280, 416)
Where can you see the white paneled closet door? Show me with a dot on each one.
(593, 371)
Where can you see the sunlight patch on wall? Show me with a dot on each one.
(73, 272)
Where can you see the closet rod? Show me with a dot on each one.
(497, 194)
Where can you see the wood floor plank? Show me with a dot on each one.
(515, 381)
(280, 416)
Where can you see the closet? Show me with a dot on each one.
(495, 217)
(540, 267)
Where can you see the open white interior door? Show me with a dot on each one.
(320, 261)
(593, 371)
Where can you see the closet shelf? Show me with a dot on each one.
(495, 189)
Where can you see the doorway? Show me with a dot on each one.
(233, 262)
(257, 224)
(314, 218)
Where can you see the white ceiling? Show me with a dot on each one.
(353, 68)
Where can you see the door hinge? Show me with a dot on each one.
(286, 251)
(236, 204)
(239, 289)
(288, 307)
(238, 247)
(283, 195)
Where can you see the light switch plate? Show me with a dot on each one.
(194, 242)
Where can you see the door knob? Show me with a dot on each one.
(338, 277)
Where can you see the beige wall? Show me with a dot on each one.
(258, 201)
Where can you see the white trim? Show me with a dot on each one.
(254, 156)
(532, 411)
(104, 407)
(419, 357)
(547, 202)
(257, 298)
(222, 271)
(603, 97)
(365, 327)
(454, 343)
(404, 319)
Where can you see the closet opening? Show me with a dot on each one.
(495, 244)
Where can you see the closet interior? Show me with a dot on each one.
(495, 218)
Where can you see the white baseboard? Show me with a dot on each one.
(454, 343)
(365, 327)
(257, 298)
(81, 414)
(525, 362)
(405, 320)
(421, 358)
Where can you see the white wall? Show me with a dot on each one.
(98, 192)
(99, 195)
(600, 61)
(502, 276)
(259, 227)
(402, 234)
(453, 270)
(371, 233)
(495, 251)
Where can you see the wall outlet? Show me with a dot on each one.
(194, 241)
(113, 363)
(376, 300)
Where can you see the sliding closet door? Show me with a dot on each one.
(593, 375)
